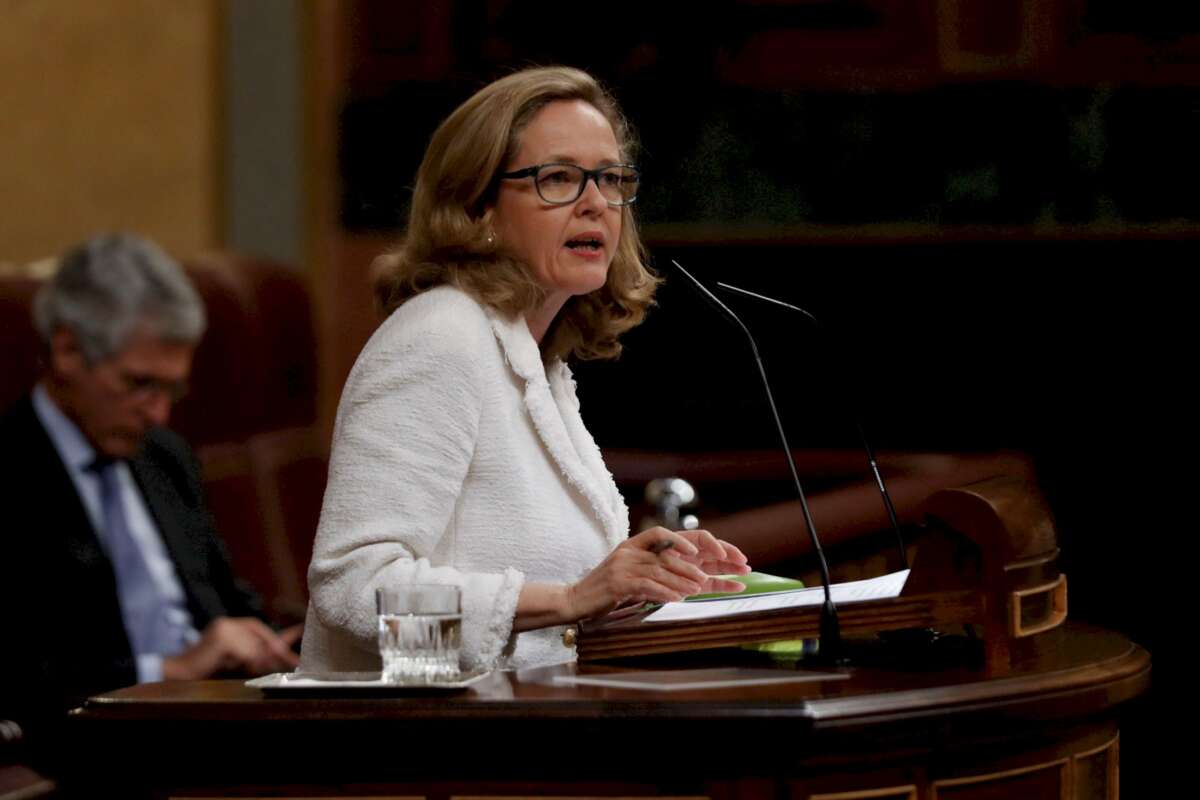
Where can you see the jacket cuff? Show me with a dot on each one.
(484, 646)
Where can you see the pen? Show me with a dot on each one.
(636, 607)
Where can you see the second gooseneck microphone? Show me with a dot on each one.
(862, 434)
(831, 635)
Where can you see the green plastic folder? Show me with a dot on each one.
(787, 650)
(755, 583)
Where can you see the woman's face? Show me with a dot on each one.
(559, 242)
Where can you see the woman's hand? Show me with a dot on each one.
(646, 568)
(656, 565)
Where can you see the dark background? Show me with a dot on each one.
(990, 206)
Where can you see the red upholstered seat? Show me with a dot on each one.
(251, 412)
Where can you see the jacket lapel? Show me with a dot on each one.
(171, 519)
(81, 561)
(63, 508)
(562, 388)
(554, 410)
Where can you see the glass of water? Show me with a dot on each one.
(420, 627)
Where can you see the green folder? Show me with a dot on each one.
(786, 650)
(755, 583)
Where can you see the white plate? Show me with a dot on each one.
(354, 682)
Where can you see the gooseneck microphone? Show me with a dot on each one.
(830, 631)
(862, 434)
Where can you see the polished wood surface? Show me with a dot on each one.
(941, 728)
(987, 557)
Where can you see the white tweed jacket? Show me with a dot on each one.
(458, 457)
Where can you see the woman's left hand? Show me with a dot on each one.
(656, 565)
(715, 557)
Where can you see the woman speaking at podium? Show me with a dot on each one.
(459, 455)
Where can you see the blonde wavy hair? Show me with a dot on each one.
(448, 236)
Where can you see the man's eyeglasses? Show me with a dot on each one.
(145, 387)
(559, 184)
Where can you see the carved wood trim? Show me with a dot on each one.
(1058, 608)
(908, 792)
(1111, 749)
(1036, 561)
(1062, 764)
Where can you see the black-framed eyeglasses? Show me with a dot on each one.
(558, 184)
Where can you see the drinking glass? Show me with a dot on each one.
(420, 627)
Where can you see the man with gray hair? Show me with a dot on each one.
(110, 572)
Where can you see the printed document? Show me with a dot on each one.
(883, 587)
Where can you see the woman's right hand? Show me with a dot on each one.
(640, 569)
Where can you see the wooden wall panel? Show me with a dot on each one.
(111, 119)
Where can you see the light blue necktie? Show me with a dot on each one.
(142, 607)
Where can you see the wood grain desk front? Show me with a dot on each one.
(1049, 729)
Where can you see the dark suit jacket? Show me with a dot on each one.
(62, 638)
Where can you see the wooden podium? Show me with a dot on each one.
(986, 557)
(1046, 730)
(1038, 719)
